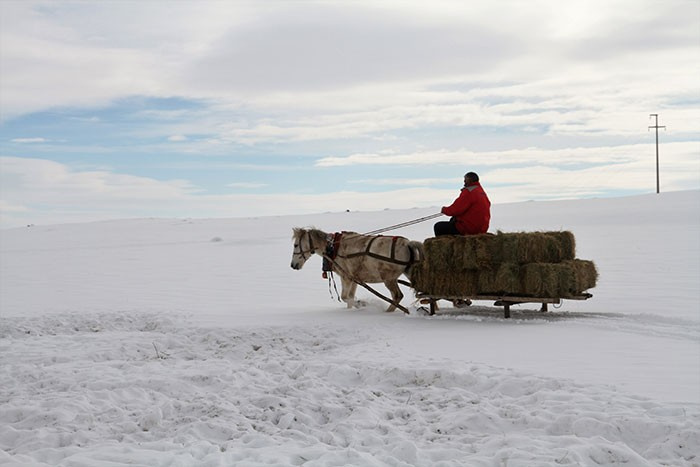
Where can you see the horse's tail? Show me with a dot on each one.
(417, 252)
(417, 255)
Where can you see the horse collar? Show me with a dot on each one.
(333, 244)
(332, 247)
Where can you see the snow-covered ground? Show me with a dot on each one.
(171, 342)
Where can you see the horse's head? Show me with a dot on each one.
(306, 243)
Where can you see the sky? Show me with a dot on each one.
(132, 109)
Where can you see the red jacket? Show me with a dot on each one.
(472, 210)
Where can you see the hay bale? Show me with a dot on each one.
(533, 247)
(541, 280)
(454, 253)
(457, 253)
(566, 242)
(462, 254)
(509, 279)
(585, 274)
(544, 279)
(439, 251)
(426, 280)
(565, 279)
(535, 264)
(505, 279)
(488, 282)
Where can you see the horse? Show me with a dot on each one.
(358, 258)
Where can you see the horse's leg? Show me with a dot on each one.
(347, 294)
(356, 303)
(396, 293)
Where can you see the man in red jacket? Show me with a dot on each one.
(471, 211)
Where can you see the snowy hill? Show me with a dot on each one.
(192, 342)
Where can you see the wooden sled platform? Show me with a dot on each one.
(499, 300)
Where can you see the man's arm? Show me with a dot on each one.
(460, 205)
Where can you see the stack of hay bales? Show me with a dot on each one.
(532, 264)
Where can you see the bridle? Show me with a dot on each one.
(303, 253)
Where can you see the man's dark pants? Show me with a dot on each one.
(446, 228)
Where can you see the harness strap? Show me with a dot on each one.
(312, 247)
(331, 252)
(336, 243)
(371, 254)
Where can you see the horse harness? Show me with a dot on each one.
(333, 246)
(331, 253)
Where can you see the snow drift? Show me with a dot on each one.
(160, 342)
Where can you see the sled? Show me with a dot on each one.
(506, 301)
(508, 268)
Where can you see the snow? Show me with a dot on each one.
(178, 342)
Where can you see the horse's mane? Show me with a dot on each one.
(313, 231)
(297, 232)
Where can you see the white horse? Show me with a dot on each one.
(359, 258)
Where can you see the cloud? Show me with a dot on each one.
(177, 138)
(387, 182)
(32, 182)
(7, 207)
(296, 55)
(587, 156)
(29, 140)
(568, 107)
(535, 173)
(547, 98)
(38, 191)
(247, 185)
(57, 54)
(317, 46)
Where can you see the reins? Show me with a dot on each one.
(404, 224)
(331, 279)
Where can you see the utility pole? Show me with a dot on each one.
(656, 126)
